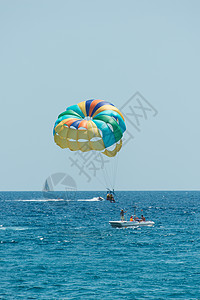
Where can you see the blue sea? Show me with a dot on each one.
(66, 249)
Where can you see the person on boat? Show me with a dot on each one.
(122, 214)
(143, 218)
(136, 219)
(131, 218)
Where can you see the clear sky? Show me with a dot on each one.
(57, 53)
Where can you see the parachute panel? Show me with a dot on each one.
(90, 125)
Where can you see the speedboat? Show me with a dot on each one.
(120, 224)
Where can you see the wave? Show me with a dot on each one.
(13, 228)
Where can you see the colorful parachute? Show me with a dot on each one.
(90, 125)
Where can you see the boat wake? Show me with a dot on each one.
(92, 200)
(59, 200)
(39, 200)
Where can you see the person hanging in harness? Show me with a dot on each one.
(112, 198)
(108, 196)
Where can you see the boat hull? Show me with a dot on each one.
(120, 224)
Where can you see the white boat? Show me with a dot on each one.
(120, 224)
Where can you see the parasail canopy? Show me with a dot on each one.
(90, 125)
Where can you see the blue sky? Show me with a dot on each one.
(57, 53)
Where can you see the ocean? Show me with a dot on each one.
(66, 249)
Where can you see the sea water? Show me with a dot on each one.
(66, 249)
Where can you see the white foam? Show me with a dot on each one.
(38, 200)
(55, 200)
(90, 200)
(13, 228)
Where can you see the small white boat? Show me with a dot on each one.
(120, 224)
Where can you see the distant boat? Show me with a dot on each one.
(46, 187)
(49, 193)
(120, 224)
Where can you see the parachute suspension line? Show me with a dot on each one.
(107, 182)
(109, 173)
(115, 169)
(106, 175)
(103, 184)
(113, 172)
(112, 164)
